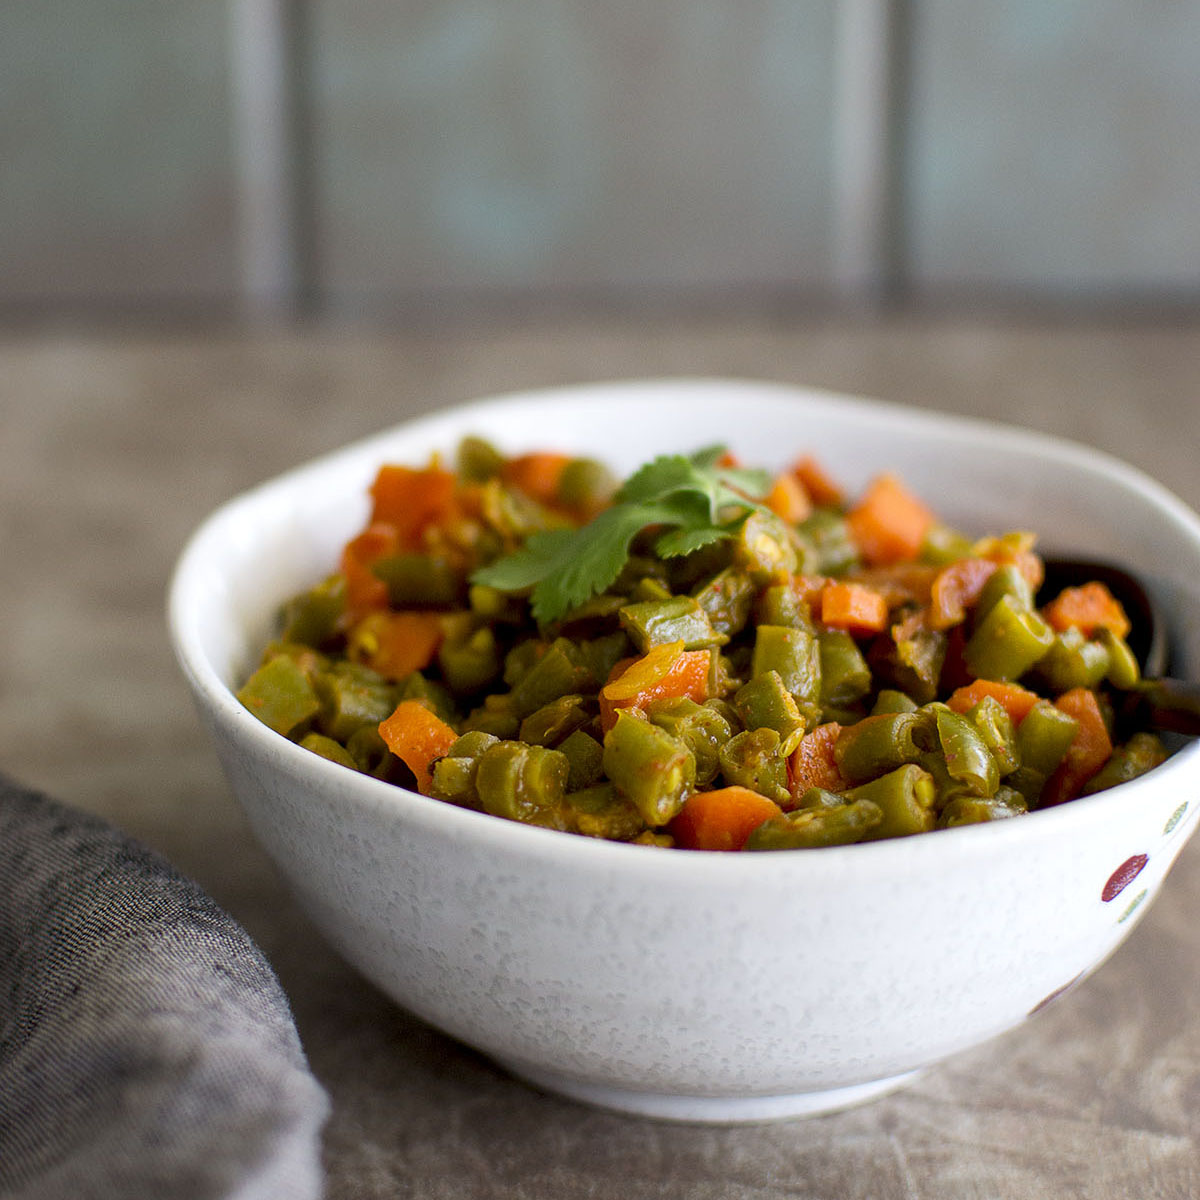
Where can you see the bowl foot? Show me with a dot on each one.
(717, 1110)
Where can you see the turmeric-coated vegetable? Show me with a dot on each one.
(705, 656)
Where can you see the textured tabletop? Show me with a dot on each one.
(113, 447)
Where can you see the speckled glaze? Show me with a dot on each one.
(700, 986)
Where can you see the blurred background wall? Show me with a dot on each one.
(399, 157)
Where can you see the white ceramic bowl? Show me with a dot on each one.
(692, 985)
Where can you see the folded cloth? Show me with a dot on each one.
(146, 1047)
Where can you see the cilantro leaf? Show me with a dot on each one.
(679, 542)
(688, 494)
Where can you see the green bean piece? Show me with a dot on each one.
(830, 550)
(1073, 661)
(1141, 753)
(1008, 641)
(781, 604)
(763, 546)
(585, 760)
(638, 569)
(968, 759)
(281, 695)
(810, 828)
(649, 591)
(724, 708)
(1005, 581)
(971, 810)
(478, 460)
(520, 660)
(818, 797)
(992, 722)
(722, 679)
(352, 695)
(495, 716)
(326, 747)
(419, 580)
(1044, 736)
(845, 676)
(523, 783)
(753, 759)
(417, 687)
(675, 619)
(551, 723)
(889, 700)
(906, 797)
(796, 655)
(1123, 669)
(471, 744)
(728, 598)
(910, 663)
(943, 546)
(1029, 783)
(946, 787)
(369, 752)
(876, 745)
(601, 654)
(453, 780)
(559, 672)
(311, 618)
(469, 661)
(594, 613)
(764, 703)
(700, 727)
(603, 812)
(585, 484)
(454, 775)
(311, 662)
(491, 604)
(655, 770)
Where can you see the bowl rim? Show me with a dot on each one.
(336, 782)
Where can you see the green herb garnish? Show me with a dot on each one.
(695, 501)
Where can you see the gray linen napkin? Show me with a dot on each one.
(146, 1048)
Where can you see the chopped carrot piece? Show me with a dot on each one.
(397, 643)
(956, 588)
(853, 607)
(889, 523)
(663, 671)
(721, 819)
(417, 736)
(1088, 752)
(537, 475)
(1087, 608)
(412, 500)
(366, 592)
(788, 499)
(817, 482)
(813, 764)
(1016, 700)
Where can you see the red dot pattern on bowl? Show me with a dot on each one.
(1123, 876)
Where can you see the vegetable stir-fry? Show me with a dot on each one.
(706, 656)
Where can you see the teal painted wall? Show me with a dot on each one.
(116, 176)
(556, 149)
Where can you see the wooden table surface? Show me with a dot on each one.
(114, 446)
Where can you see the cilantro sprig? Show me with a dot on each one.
(691, 498)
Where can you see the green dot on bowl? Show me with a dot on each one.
(1133, 904)
(1175, 817)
